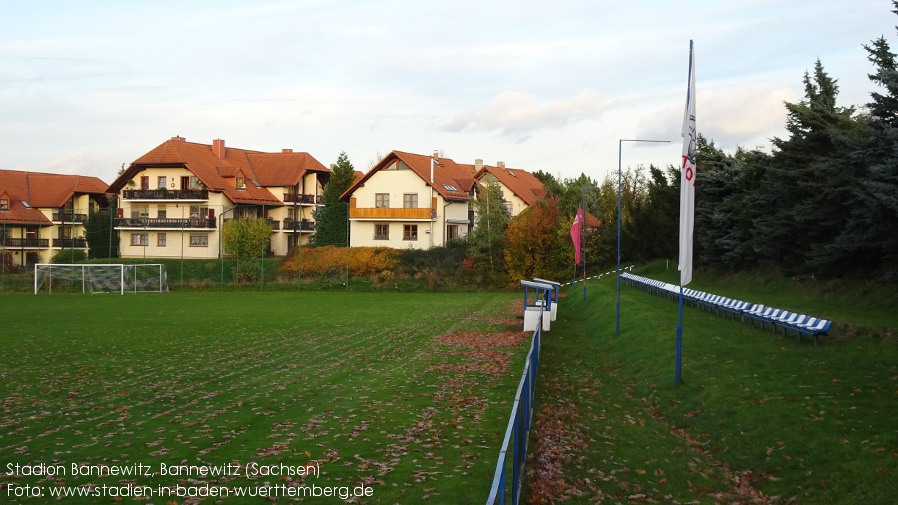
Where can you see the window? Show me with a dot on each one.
(194, 182)
(4, 204)
(381, 232)
(162, 181)
(450, 187)
(139, 211)
(410, 232)
(197, 212)
(451, 231)
(161, 213)
(140, 239)
(239, 183)
(160, 239)
(199, 241)
(382, 200)
(144, 182)
(410, 200)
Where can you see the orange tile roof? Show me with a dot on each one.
(259, 170)
(451, 180)
(522, 183)
(28, 192)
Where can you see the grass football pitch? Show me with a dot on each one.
(183, 397)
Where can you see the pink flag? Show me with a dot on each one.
(575, 233)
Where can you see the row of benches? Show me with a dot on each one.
(786, 321)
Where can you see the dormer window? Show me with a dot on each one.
(240, 184)
(4, 204)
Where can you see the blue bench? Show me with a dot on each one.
(813, 327)
(779, 319)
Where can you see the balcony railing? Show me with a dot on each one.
(168, 194)
(70, 243)
(34, 243)
(294, 225)
(145, 222)
(302, 199)
(69, 217)
(391, 213)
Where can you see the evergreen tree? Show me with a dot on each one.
(884, 107)
(809, 184)
(875, 219)
(654, 218)
(331, 220)
(486, 241)
(102, 239)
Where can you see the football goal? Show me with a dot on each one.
(112, 278)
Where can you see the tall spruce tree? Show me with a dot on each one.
(876, 219)
(331, 220)
(810, 182)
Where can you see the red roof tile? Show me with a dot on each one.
(522, 183)
(450, 179)
(259, 170)
(29, 191)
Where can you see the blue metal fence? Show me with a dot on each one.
(518, 431)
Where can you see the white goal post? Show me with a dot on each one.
(101, 278)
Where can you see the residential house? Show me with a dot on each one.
(520, 189)
(411, 200)
(174, 199)
(41, 213)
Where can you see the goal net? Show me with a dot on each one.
(112, 278)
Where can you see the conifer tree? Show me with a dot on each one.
(331, 220)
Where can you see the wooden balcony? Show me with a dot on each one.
(391, 213)
(168, 194)
(68, 217)
(70, 243)
(301, 226)
(175, 224)
(302, 199)
(25, 243)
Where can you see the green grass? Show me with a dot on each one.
(360, 383)
(759, 417)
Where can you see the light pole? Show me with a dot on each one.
(620, 147)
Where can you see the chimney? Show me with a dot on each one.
(436, 154)
(478, 164)
(178, 138)
(500, 164)
(286, 151)
(219, 149)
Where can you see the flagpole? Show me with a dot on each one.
(678, 368)
(687, 208)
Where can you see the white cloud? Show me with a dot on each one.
(519, 115)
(740, 117)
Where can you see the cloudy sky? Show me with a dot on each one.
(88, 86)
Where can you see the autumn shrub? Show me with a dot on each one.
(537, 242)
(330, 260)
(8, 263)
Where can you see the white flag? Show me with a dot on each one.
(687, 178)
